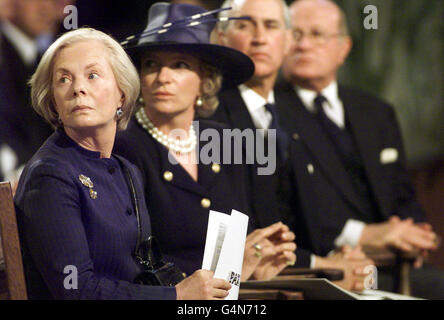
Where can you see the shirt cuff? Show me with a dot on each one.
(351, 233)
(8, 159)
(312, 261)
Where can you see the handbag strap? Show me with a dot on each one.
(147, 252)
(134, 200)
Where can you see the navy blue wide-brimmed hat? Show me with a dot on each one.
(187, 28)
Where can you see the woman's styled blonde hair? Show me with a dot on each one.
(124, 71)
(211, 84)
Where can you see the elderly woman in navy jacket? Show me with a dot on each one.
(81, 209)
(181, 73)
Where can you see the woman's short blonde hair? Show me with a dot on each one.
(124, 71)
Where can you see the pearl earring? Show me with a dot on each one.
(119, 112)
(199, 102)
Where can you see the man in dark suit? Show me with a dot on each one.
(25, 35)
(346, 151)
(265, 39)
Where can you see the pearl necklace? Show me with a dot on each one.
(175, 145)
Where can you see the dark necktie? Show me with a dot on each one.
(320, 113)
(349, 153)
(332, 130)
(281, 136)
(342, 139)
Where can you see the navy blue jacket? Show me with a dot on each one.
(179, 206)
(63, 226)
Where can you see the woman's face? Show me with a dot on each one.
(170, 82)
(85, 90)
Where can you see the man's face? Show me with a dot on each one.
(318, 47)
(264, 38)
(6, 9)
(34, 17)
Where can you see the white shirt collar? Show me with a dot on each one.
(24, 45)
(255, 105)
(334, 108)
(252, 99)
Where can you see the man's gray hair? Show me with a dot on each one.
(343, 23)
(236, 3)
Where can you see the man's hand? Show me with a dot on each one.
(423, 254)
(353, 262)
(404, 235)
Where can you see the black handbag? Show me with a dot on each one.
(155, 271)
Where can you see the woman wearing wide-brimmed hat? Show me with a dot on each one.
(181, 73)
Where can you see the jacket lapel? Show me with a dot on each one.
(263, 187)
(237, 111)
(358, 117)
(296, 118)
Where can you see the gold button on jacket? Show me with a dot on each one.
(205, 203)
(215, 167)
(310, 168)
(168, 175)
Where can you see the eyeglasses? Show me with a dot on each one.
(316, 37)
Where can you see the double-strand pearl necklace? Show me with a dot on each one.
(175, 145)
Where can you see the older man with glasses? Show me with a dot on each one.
(348, 162)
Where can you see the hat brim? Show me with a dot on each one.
(235, 67)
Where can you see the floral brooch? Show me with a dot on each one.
(86, 181)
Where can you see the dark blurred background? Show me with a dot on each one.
(122, 17)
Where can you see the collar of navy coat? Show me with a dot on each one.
(63, 141)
